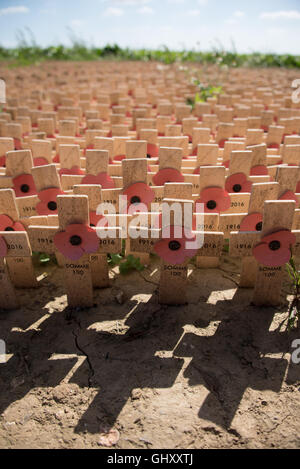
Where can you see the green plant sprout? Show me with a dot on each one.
(125, 265)
(204, 93)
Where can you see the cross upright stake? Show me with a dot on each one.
(8, 298)
(20, 267)
(77, 274)
(260, 193)
(98, 261)
(277, 218)
(18, 248)
(135, 174)
(237, 183)
(277, 215)
(19, 166)
(208, 219)
(174, 274)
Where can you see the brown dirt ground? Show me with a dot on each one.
(213, 374)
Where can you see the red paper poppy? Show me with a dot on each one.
(7, 224)
(238, 183)
(102, 179)
(119, 157)
(24, 185)
(56, 159)
(3, 161)
(77, 240)
(172, 248)
(48, 203)
(138, 195)
(275, 249)
(259, 171)
(274, 145)
(298, 188)
(226, 164)
(95, 219)
(215, 200)
(40, 161)
(252, 222)
(3, 247)
(167, 175)
(152, 151)
(75, 170)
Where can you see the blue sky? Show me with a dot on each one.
(267, 26)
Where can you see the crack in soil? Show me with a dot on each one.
(92, 371)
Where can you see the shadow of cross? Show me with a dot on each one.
(233, 360)
(120, 370)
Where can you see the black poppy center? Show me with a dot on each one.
(174, 245)
(274, 245)
(135, 200)
(9, 228)
(92, 225)
(52, 205)
(25, 188)
(148, 156)
(75, 240)
(211, 204)
(237, 188)
(259, 226)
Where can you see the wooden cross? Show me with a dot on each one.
(135, 172)
(98, 261)
(175, 142)
(200, 136)
(41, 152)
(209, 221)
(73, 209)
(258, 160)
(234, 222)
(6, 144)
(207, 155)
(291, 154)
(14, 267)
(287, 177)
(274, 136)
(237, 183)
(231, 145)
(224, 132)
(19, 166)
(20, 267)
(277, 216)
(173, 277)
